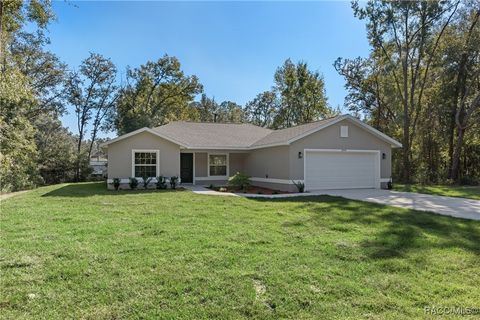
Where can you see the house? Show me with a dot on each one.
(99, 166)
(335, 153)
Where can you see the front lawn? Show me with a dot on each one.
(472, 192)
(79, 251)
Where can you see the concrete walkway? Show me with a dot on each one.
(448, 206)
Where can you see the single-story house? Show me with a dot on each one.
(335, 153)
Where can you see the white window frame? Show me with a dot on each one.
(149, 151)
(228, 166)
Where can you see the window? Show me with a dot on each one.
(344, 131)
(217, 164)
(145, 163)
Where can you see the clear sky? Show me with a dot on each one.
(233, 47)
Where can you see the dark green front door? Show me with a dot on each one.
(186, 167)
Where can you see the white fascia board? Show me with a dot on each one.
(374, 131)
(145, 129)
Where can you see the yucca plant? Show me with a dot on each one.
(300, 186)
(161, 183)
(173, 182)
(133, 183)
(146, 181)
(116, 183)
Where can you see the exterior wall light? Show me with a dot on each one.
(384, 155)
(300, 155)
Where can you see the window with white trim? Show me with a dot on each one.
(145, 164)
(217, 164)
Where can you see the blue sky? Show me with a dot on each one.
(233, 47)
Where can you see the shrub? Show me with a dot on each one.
(468, 181)
(300, 186)
(211, 186)
(116, 183)
(239, 180)
(173, 182)
(222, 189)
(161, 182)
(133, 183)
(146, 181)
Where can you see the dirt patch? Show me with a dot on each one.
(7, 195)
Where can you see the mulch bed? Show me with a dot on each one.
(251, 189)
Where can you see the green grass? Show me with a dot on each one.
(79, 251)
(449, 191)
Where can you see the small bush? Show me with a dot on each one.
(211, 186)
(239, 180)
(222, 189)
(133, 183)
(161, 183)
(116, 183)
(173, 182)
(146, 181)
(468, 181)
(300, 186)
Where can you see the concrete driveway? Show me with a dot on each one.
(448, 206)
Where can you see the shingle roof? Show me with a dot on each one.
(285, 135)
(212, 135)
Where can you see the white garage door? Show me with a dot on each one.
(341, 170)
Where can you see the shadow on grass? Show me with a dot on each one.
(389, 232)
(90, 189)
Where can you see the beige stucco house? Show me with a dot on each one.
(335, 153)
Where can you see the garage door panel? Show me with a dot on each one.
(340, 170)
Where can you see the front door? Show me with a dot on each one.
(186, 167)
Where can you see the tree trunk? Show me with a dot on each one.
(456, 154)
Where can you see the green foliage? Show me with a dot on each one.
(156, 93)
(298, 97)
(92, 92)
(146, 180)
(133, 183)
(56, 151)
(161, 183)
(420, 87)
(18, 152)
(239, 180)
(116, 183)
(301, 93)
(261, 111)
(173, 182)
(312, 254)
(300, 186)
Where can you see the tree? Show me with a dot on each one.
(301, 93)
(92, 92)
(56, 150)
(261, 111)
(406, 34)
(229, 111)
(155, 93)
(21, 97)
(204, 110)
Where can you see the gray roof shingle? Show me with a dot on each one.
(213, 135)
(284, 135)
(231, 135)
